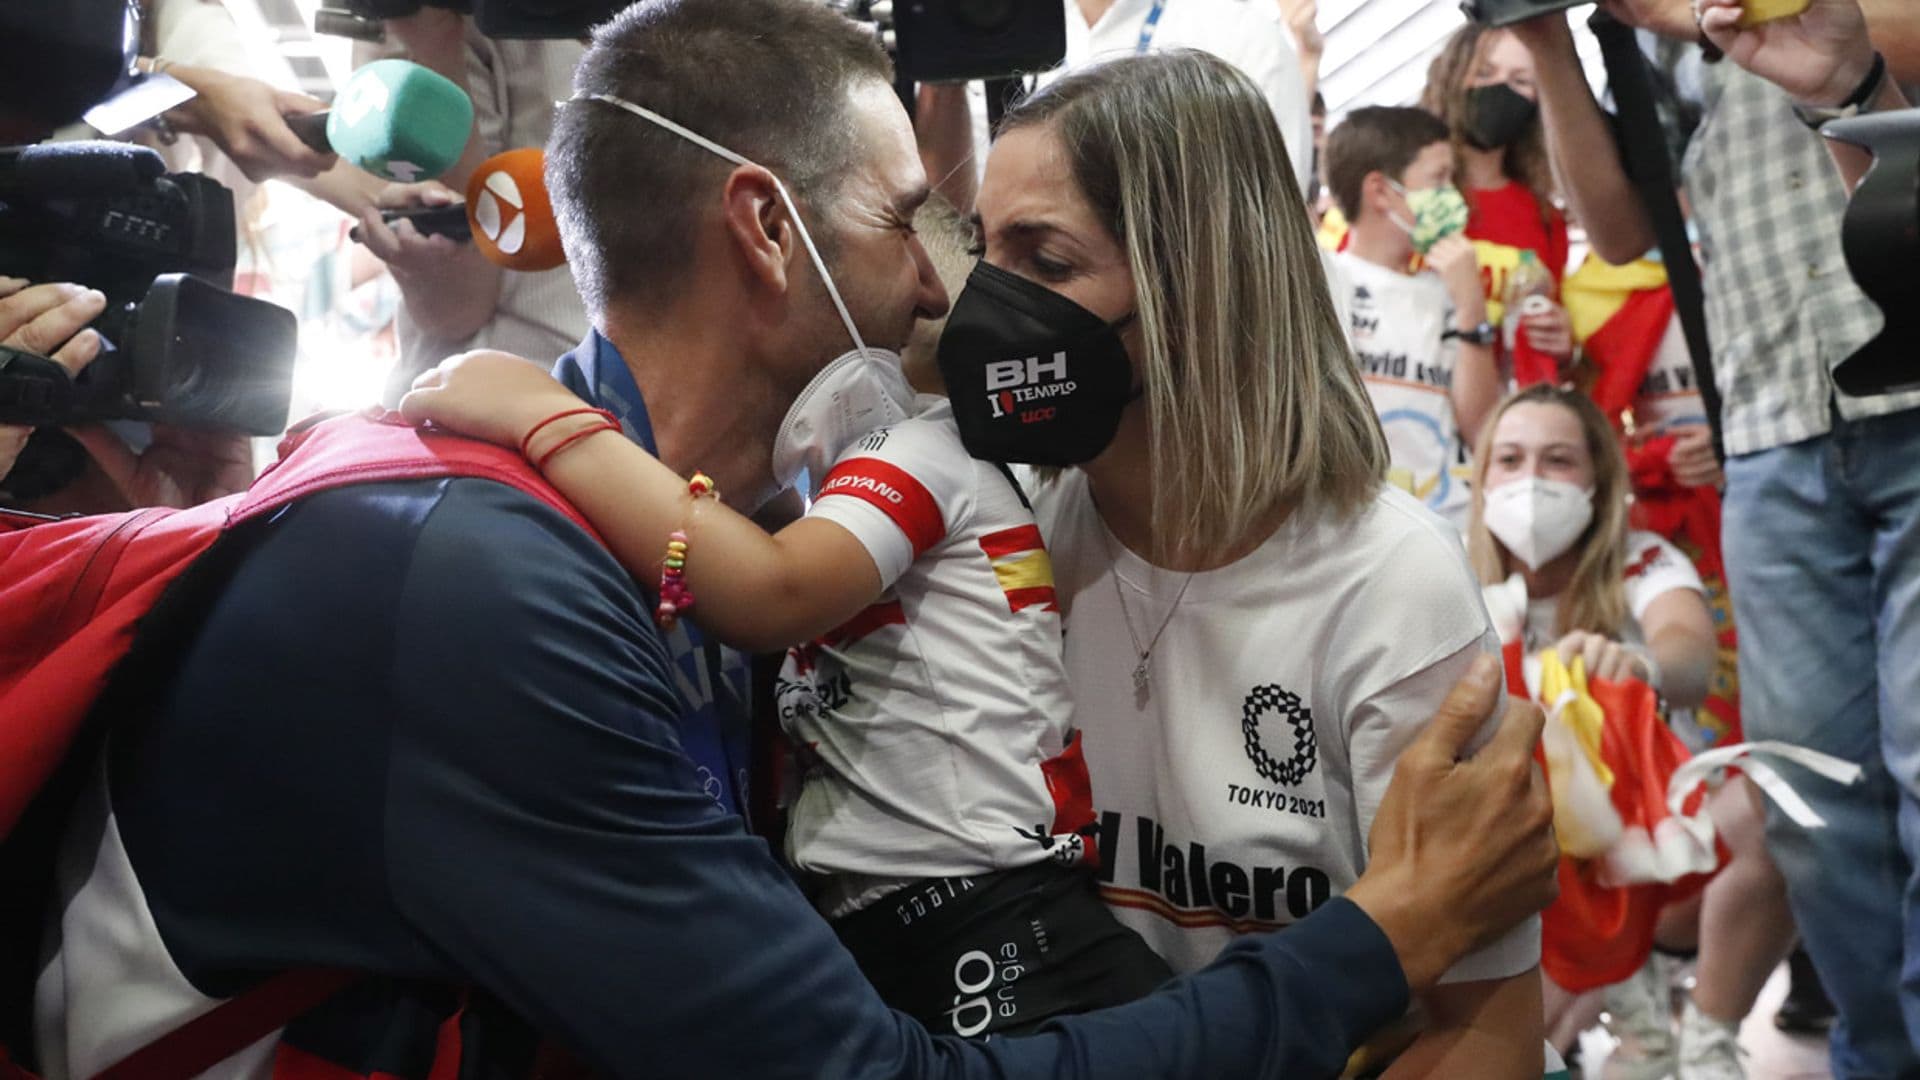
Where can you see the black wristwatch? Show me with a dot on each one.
(1816, 117)
(1484, 334)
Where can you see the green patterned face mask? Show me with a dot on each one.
(1438, 213)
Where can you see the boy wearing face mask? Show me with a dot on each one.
(944, 817)
(1422, 337)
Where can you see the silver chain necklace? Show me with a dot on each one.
(1142, 675)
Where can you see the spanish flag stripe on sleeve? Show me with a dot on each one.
(1021, 566)
(894, 492)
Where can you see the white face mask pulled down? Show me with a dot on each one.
(1537, 519)
(860, 392)
(863, 389)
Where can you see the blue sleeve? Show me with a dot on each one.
(548, 838)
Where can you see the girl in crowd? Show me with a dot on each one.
(1259, 624)
(1551, 499)
(1482, 86)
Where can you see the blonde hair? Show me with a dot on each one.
(1595, 600)
(1445, 96)
(1254, 402)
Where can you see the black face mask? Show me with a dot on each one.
(1497, 116)
(1034, 377)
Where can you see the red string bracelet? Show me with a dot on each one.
(526, 444)
(609, 425)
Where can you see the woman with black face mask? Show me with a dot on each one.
(1482, 86)
(1257, 624)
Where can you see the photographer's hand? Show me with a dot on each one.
(248, 120)
(47, 320)
(180, 467)
(1821, 56)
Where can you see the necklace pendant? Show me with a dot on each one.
(1141, 678)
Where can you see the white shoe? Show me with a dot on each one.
(1640, 1017)
(1709, 1048)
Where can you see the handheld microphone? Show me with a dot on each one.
(399, 121)
(311, 129)
(511, 217)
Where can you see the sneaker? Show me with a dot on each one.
(1709, 1048)
(1639, 1016)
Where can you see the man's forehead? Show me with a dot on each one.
(888, 158)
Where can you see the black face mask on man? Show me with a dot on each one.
(1034, 377)
(1497, 116)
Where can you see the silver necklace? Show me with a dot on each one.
(1142, 674)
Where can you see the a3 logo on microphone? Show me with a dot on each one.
(512, 218)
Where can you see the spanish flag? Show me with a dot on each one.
(1619, 315)
(1021, 564)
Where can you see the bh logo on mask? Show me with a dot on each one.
(1016, 387)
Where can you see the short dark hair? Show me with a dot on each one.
(767, 79)
(1378, 139)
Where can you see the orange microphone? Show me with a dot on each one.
(507, 207)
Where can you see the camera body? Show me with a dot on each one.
(1880, 236)
(1508, 12)
(178, 346)
(494, 18)
(957, 40)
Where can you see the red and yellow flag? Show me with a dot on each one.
(1021, 564)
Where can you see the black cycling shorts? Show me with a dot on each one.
(1000, 953)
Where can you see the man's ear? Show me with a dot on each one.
(758, 222)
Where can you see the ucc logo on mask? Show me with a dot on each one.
(1015, 383)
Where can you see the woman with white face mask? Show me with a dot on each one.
(1550, 504)
(1551, 493)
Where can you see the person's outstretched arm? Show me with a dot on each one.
(754, 591)
(1586, 162)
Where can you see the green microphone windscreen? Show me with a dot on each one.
(398, 120)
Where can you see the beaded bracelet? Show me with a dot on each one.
(676, 599)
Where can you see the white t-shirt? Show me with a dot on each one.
(1236, 795)
(1669, 396)
(1395, 322)
(1248, 35)
(924, 720)
(1654, 568)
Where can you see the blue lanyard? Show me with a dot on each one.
(1147, 28)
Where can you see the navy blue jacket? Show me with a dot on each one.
(428, 730)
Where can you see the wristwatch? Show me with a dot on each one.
(1815, 116)
(1484, 334)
